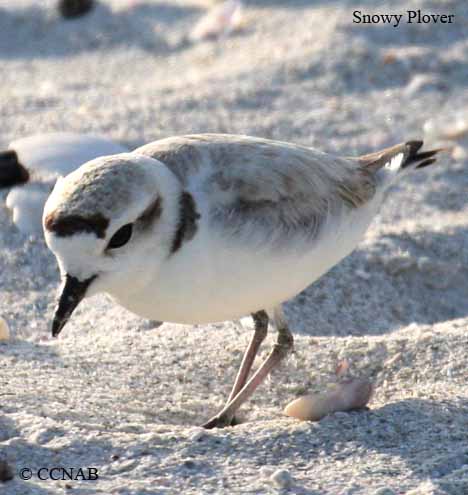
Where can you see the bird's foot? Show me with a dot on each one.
(221, 420)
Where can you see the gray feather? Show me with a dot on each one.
(254, 183)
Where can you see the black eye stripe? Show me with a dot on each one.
(121, 237)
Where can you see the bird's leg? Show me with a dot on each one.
(280, 350)
(260, 332)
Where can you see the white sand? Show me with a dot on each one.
(115, 394)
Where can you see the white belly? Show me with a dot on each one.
(211, 279)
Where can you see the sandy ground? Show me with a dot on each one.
(119, 395)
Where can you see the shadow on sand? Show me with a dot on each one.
(426, 441)
(340, 303)
(29, 351)
(21, 454)
(34, 33)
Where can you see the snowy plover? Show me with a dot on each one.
(39, 160)
(207, 228)
(74, 8)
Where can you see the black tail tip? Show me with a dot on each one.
(11, 170)
(425, 163)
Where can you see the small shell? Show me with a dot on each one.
(389, 362)
(220, 21)
(353, 394)
(342, 368)
(4, 330)
(459, 153)
(453, 126)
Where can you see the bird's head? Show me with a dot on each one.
(109, 224)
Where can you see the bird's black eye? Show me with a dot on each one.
(121, 237)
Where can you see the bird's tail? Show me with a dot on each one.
(399, 157)
(12, 172)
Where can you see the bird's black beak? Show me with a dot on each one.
(72, 292)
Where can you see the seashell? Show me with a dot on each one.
(221, 20)
(453, 126)
(459, 153)
(423, 82)
(342, 368)
(4, 330)
(353, 394)
(392, 360)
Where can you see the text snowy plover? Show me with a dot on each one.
(410, 17)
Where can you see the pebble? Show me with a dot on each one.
(189, 464)
(281, 478)
(197, 435)
(4, 330)
(6, 473)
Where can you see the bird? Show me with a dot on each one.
(30, 166)
(69, 9)
(213, 227)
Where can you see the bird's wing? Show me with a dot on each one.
(262, 183)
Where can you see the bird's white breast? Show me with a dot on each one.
(213, 278)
